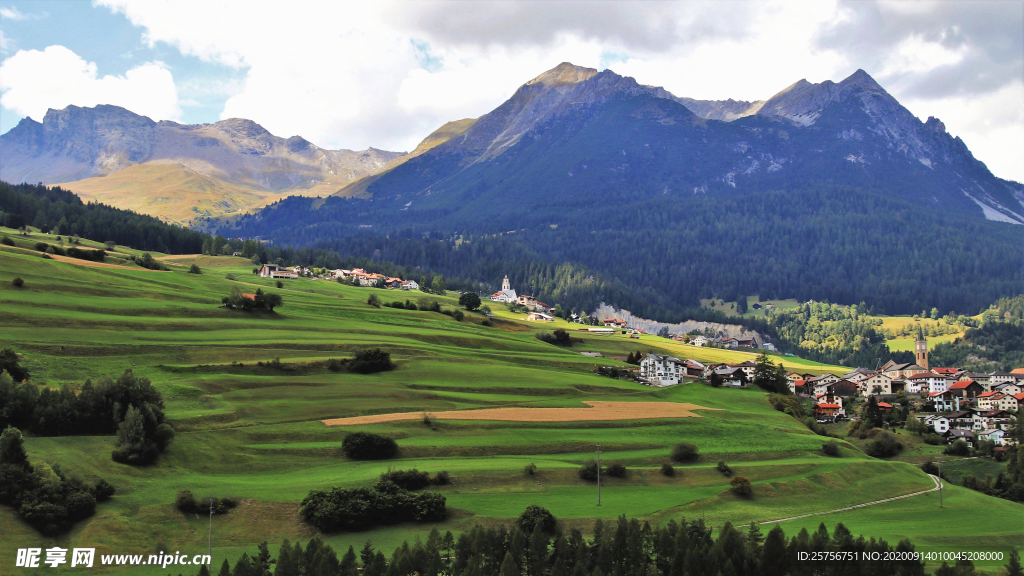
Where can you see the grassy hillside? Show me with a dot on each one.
(253, 431)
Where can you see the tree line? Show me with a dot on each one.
(53, 209)
(625, 547)
(128, 406)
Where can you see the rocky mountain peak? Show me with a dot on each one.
(564, 73)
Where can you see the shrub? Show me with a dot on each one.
(194, 269)
(830, 448)
(588, 471)
(229, 276)
(187, 504)
(368, 446)
(530, 469)
(427, 420)
(110, 244)
(442, 478)
(884, 445)
(957, 448)
(667, 470)
(17, 282)
(6, 241)
(279, 284)
(408, 479)
(41, 246)
(336, 365)
(559, 338)
(103, 491)
(373, 301)
(487, 322)
(370, 361)
(741, 487)
(146, 261)
(359, 509)
(685, 452)
(723, 468)
(616, 470)
(536, 517)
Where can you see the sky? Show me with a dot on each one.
(386, 73)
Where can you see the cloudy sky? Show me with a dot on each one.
(385, 74)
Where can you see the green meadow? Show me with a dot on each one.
(246, 393)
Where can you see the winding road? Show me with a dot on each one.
(938, 484)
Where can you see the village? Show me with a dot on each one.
(954, 403)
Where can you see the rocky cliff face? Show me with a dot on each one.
(76, 143)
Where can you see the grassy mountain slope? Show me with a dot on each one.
(253, 431)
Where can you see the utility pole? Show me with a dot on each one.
(598, 474)
(211, 531)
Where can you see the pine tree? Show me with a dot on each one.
(508, 566)
(225, 569)
(1013, 568)
(773, 555)
(286, 562)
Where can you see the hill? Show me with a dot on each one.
(219, 168)
(596, 171)
(246, 393)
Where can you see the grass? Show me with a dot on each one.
(252, 431)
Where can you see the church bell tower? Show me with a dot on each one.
(921, 351)
(504, 284)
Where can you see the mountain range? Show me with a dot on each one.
(173, 170)
(830, 191)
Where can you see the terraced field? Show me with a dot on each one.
(247, 393)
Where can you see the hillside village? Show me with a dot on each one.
(954, 403)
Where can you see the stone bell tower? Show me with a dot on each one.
(921, 351)
(504, 284)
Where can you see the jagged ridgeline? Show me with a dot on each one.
(832, 192)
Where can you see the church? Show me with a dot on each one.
(507, 294)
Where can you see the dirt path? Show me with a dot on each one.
(596, 411)
(865, 505)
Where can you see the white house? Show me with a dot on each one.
(662, 370)
(506, 294)
(939, 423)
(410, 285)
(539, 317)
(995, 436)
(699, 341)
(275, 271)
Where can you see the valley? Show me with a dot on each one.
(246, 393)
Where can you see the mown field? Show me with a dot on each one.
(253, 431)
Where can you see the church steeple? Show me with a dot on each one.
(504, 284)
(921, 350)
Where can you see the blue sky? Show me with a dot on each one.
(115, 45)
(387, 73)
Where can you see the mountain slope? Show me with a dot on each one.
(75, 144)
(831, 191)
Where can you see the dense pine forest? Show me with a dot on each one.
(659, 256)
(998, 344)
(63, 212)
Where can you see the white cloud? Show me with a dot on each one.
(386, 73)
(32, 81)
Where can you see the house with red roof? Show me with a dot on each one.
(989, 400)
(827, 410)
(884, 407)
(966, 389)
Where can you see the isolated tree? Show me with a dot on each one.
(470, 300)
(914, 425)
(872, 413)
(12, 448)
(741, 304)
(373, 301)
(437, 285)
(741, 487)
(194, 269)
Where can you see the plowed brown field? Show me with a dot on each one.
(597, 411)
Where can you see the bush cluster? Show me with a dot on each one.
(685, 452)
(258, 301)
(667, 470)
(413, 480)
(616, 470)
(884, 445)
(741, 487)
(559, 338)
(146, 261)
(588, 471)
(371, 361)
(830, 448)
(724, 469)
(44, 497)
(187, 504)
(339, 509)
(369, 446)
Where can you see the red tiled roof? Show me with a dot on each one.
(1019, 396)
(937, 393)
(884, 405)
(945, 370)
(925, 375)
(1017, 371)
(800, 382)
(987, 394)
(826, 405)
(250, 296)
(961, 384)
